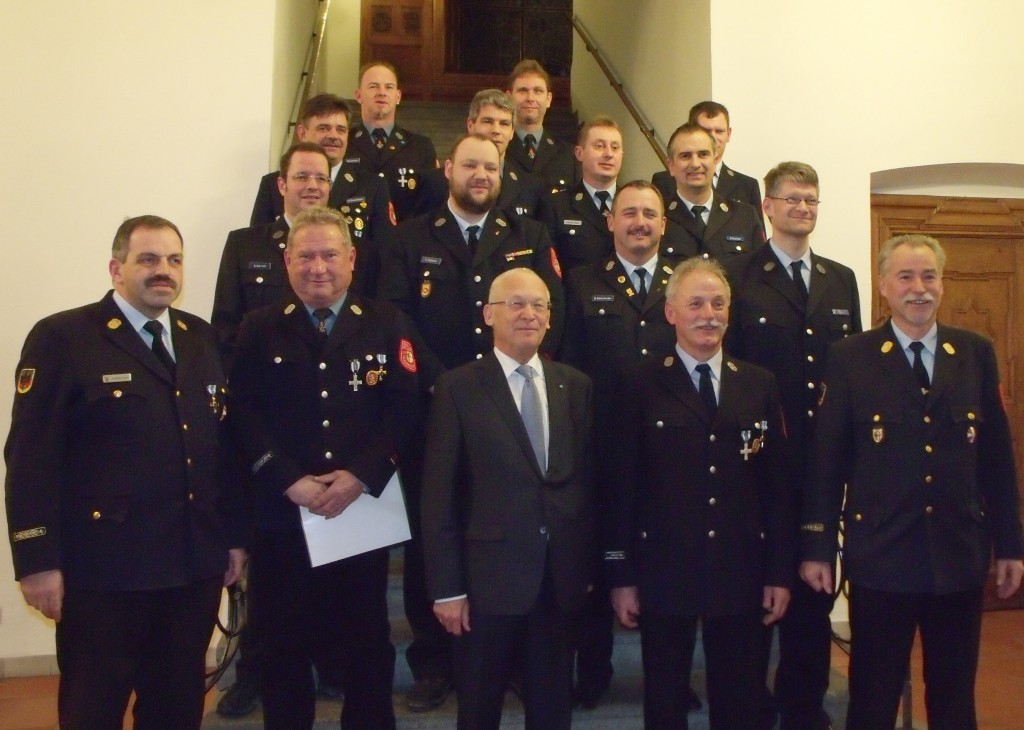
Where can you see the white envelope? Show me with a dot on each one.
(366, 524)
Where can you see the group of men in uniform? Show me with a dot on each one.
(726, 400)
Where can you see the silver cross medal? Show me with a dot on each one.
(355, 382)
(402, 180)
(763, 426)
(746, 450)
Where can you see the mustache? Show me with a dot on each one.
(712, 323)
(639, 230)
(160, 279)
(926, 297)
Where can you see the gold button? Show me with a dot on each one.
(118, 393)
(810, 331)
(184, 427)
(643, 351)
(858, 517)
(259, 279)
(927, 419)
(970, 416)
(188, 460)
(928, 479)
(927, 448)
(876, 418)
(929, 509)
(96, 515)
(810, 358)
(177, 394)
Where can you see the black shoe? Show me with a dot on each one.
(588, 694)
(428, 693)
(240, 699)
(693, 703)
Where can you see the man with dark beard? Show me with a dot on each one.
(440, 273)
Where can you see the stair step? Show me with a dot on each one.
(620, 709)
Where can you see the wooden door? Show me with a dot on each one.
(983, 285)
(400, 32)
(447, 50)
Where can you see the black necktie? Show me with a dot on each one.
(322, 315)
(156, 329)
(707, 389)
(472, 240)
(380, 138)
(798, 279)
(641, 291)
(920, 372)
(603, 196)
(698, 220)
(531, 146)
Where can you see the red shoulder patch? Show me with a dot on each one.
(554, 263)
(406, 356)
(391, 213)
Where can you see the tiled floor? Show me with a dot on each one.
(31, 703)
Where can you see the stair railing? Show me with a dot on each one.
(638, 116)
(308, 76)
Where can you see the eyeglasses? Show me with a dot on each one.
(305, 177)
(795, 201)
(518, 305)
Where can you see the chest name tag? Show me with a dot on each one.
(735, 238)
(433, 260)
(572, 223)
(841, 312)
(117, 378)
(603, 298)
(260, 265)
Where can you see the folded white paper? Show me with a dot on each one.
(366, 524)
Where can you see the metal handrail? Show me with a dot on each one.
(645, 127)
(308, 75)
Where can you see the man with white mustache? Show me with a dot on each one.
(912, 431)
(698, 527)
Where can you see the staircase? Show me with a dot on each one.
(621, 708)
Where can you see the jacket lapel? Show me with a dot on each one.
(773, 274)
(895, 362)
(121, 333)
(496, 386)
(676, 380)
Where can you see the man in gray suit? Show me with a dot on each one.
(508, 527)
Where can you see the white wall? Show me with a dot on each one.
(858, 88)
(339, 71)
(294, 21)
(661, 49)
(112, 109)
